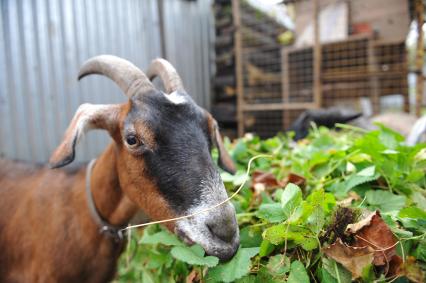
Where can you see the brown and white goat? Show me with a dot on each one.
(159, 161)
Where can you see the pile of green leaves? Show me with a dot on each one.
(284, 228)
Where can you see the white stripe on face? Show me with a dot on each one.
(176, 98)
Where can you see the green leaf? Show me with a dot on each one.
(419, 199)
(278, 265)
(264, 276)
(272, 212)
(147, 276)
(317, 220)
(412, 212)
(415, 175)
(389, 138)
(325, 276)
(420, 252)
(156, 259)
(309, 244)
(291, 199)
(278, 194)
(247, 279)
(266, 248)
(366, 175)
(194, 255)
(336, 270)
(234, 269)
(162, 237)
(250, 237)
(320, 204)
(275, 234)
(360, 157)
(298, 273)
(367, 172)
(300, 236)
(385, 201)
(368, 273)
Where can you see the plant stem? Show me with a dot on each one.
(337, 272)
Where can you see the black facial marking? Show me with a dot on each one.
(181, 162)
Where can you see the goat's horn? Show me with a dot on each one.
(167, 73)
(128, 77)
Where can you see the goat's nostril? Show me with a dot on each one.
(224, 233)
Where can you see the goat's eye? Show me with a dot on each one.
(131, 140)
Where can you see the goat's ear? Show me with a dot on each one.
(224, 161)
(87, 117)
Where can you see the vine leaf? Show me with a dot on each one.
(234, 269)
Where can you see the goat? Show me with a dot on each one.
(399, 122)
(63, 226)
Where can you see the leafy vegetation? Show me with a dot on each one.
(308, 215)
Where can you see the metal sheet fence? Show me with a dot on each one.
(43, 43)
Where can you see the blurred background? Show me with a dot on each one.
(255, 64)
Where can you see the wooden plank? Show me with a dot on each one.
(317, 56)
(360, 75)
(285, 88)
(374, 81)
(278, 106)
(238, 66)
(419, 11)
(254, 37)
(351, 38)
(257, 76)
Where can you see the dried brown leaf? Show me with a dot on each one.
(355, 227)
(375, 233)
(296, 179)
(266, 179)
(348, 201)
(192, 277)
(411, 270)
(354, 259)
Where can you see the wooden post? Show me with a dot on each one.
(374, 80)
(317, 55)
(285, 87)
(238, 65)
(419, 56)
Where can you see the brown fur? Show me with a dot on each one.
(46, 231)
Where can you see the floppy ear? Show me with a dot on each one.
(224, 161)
(87, 117)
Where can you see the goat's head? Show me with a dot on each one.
(163, 142)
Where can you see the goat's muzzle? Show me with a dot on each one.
(216, 231)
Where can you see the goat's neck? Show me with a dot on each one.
(112, 204)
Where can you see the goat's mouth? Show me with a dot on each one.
(185, 238)
(220, 239)
(211, 244)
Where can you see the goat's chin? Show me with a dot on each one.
(192, 232)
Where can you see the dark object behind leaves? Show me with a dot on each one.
(321, 117)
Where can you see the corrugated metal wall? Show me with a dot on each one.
(43, 43)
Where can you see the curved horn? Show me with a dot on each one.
(128, 77)
(167, 73)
